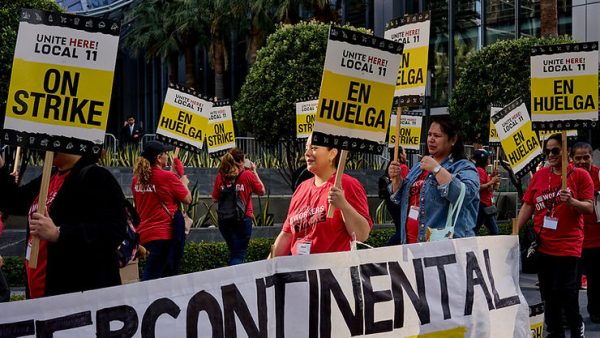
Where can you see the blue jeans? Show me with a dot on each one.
(160, 261)
(237, 236)
(489, 221)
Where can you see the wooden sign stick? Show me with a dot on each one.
(17, 165)
(338, 178)
(565, 159)
(515, 228)
(397, 144)
(46, 172)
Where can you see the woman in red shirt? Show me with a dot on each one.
(236, 230)
(307, 230)
(157, 194)
(558, 219)
(486, 192)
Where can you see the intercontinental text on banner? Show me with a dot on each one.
(357, 91)
(465, 285)
(564, 86)
(519, 142)
(413, 32)
(220, 135)
(411, 124)
(305, 117)
(494, 140)
(184, 118)
(61, 82)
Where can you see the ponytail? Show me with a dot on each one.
(143, 170)
(228, 168)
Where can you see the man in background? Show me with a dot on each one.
(132, 132)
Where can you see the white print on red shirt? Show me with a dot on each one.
(307, 217)
(549, 198)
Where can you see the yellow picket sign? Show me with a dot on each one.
(220, 134)
(410, 131)
(305, 118)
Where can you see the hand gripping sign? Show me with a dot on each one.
(519, 142)
(305, 117)
(220, 135)
(184, 118)
(413, 32)
(564, 86)
(60, 89)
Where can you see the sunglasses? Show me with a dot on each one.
(554, 151)
(582, 158)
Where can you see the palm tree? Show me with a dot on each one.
(153, 34)
(548, 18)
(287, 11)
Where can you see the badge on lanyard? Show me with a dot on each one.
(550, 222)
(303, 248)
(413, 213)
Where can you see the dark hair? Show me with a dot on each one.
(450, 128)
(130, 116)
(581, 145)
(229, 163)
(555, 137)
(336, 159)
(481, 162)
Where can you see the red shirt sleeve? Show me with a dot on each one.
(357, 197)
(530, 192)
(253, 181)
(585, 185)
(178, 190)
(217, 187)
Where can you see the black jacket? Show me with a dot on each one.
(128, 137)
(89, 209)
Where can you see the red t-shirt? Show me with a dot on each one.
(246, 184)
(155, 223)
(592, 227)
(412, 225)
(36, 278)
(543, 193)
(485, 196)
(403, 170)
(307, 217)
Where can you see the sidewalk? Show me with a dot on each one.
(532, 294)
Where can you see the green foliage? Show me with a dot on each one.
(498, 73)
(14, 271)
(287, 69)
(9, 23)
(263, 217)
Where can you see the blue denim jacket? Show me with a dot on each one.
(435, 199)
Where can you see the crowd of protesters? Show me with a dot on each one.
(444, 195)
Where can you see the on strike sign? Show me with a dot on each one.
(61, 82)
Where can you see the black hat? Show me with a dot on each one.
(153, 149)
(480, 154)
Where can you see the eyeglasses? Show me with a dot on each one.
(554, 151)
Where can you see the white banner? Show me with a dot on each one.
(454, 288)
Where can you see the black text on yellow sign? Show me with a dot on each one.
(220, 135)
(523, 147)
(411, 75)
(60, 98)
(306, 123)
(562, 96)
(354, 108)
(182, 125)
(407, 136)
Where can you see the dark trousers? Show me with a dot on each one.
(558, 286)
(4, 289)
(590, 260)
(394, 210)
(237, 236)
(160, 262)
(489, 221)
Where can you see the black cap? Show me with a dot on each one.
(153, 149)
(481, 153)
